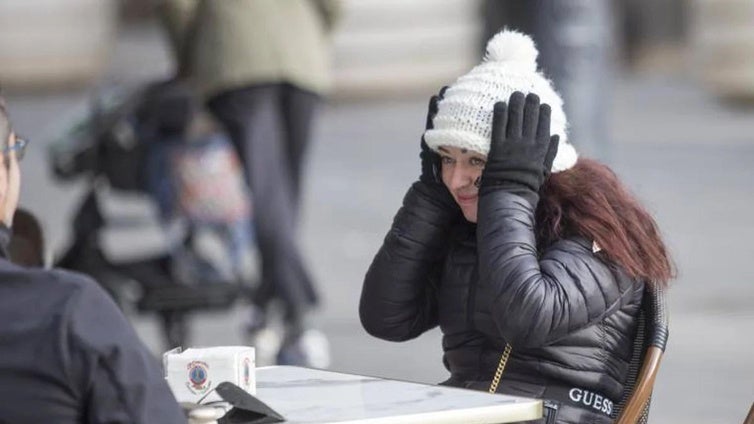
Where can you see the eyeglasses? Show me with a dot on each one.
(19, 147)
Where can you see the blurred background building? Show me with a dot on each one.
(391, 47)
(680, 125)
(53, 43)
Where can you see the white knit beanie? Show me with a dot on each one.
(464, 116)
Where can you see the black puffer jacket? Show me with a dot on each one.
(569, 315)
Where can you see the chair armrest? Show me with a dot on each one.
(643, 389)
(657, 316)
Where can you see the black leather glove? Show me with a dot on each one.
(431, 171)
(521, 150)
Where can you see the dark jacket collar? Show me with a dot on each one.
(583, 242)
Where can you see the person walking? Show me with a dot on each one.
(577, 51)
(68, 353)
(263, 68)
(531, 260)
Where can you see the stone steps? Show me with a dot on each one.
(52, 42)
(390, 47)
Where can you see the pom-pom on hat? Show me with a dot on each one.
(464, 116)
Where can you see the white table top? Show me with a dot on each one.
(305, 395)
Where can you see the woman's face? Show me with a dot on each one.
(460, 170)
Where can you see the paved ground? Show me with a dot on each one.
(686, 155)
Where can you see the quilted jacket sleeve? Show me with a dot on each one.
(398, 299)
(538, 299)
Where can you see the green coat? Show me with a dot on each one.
(226, 44)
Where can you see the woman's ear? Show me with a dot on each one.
(10, 183)
(27, 245)
(6, 136)
(3, 186)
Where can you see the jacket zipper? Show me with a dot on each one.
(470, 302)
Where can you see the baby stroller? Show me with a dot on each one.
(148, 142)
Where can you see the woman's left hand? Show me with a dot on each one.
(522, 150)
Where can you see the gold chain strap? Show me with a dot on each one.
(500, 368)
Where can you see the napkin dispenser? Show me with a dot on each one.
(194, 374)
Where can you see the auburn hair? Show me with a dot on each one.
(589, 200)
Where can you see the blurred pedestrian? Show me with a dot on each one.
(532, 261)
(68, 354)
(263, 67)
(576, 43)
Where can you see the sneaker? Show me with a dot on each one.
(258, 334)
(266, 342)
(310, 349)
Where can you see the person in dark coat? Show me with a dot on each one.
(263, 67)
(531, 261)
(68, 354)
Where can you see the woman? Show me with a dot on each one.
(511, 244)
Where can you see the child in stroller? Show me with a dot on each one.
(194, 176)
(157, 141)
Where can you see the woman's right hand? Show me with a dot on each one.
(430, 161)
(431, 166)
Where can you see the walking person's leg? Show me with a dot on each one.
(300, 109)
(253, 120)
(301, 342)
